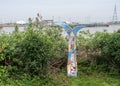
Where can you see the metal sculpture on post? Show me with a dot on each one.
(72, 63)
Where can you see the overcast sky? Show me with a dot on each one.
(62, 10)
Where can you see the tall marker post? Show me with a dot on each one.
(72, 62)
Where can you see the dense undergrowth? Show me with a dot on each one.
(25, 58)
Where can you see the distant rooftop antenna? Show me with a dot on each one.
(115, 19)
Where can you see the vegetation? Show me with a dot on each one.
(33, 57)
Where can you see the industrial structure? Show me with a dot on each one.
(115, 18)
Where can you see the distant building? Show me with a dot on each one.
(47, 22)
(21, 22)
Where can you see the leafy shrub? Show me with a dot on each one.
(103, 50)
(31, 51)
(59, 42)
(112, 49)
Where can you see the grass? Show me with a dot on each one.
(93, 79)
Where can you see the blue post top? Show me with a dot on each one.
(69, 29)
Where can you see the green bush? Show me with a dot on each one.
(31, 51)
(59, 42)
(102, 49)
(112, 49)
